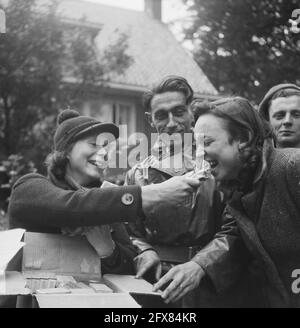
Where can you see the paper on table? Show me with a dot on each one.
(10, 244)
(95, 300)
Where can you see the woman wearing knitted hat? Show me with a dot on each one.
(69, 200)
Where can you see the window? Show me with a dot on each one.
(120, 113)
(124, 114)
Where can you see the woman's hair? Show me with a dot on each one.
(57, 162)
(243, 123)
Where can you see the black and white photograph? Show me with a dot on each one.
(149, 156)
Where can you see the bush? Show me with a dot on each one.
(11, 169)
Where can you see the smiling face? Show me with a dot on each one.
(220, 151)
(170, 114)
(83, 164)
(284, 114)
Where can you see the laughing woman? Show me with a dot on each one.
(70, 199)
(50, 205)
(262, 188)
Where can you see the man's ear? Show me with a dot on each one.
(149, 119)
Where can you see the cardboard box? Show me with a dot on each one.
(60, 271)
(11, 283)
(50, 261)
(105, 300)
(60, 255)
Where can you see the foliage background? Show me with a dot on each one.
(46, 64)
(244, 46)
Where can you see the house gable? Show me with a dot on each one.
(154, 50)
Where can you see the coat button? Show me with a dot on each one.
(127, 199)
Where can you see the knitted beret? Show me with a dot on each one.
(71, 126)
(265, 103)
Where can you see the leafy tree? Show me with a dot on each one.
(46, 63)
(245, 46)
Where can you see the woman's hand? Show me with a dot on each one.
(146, 261)
(184, 278)
(174, 192)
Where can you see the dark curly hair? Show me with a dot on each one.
(170, 83)
(243, 123)
(56, 163)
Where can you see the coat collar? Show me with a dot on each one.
(68, 183)
(246, 211)
(164, 160)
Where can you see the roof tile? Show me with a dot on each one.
(155, 51)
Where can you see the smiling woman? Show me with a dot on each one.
(74, 199)
(76, 164)
(82, 161)
(78, 149)
(263, 197)
(234, 138)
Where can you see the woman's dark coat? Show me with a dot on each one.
(268, 220)
(38, 205)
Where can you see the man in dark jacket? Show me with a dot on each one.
(281, 107)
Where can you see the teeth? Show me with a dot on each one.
(213, 163)
(93, 163)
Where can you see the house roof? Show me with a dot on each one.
(154, 50)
